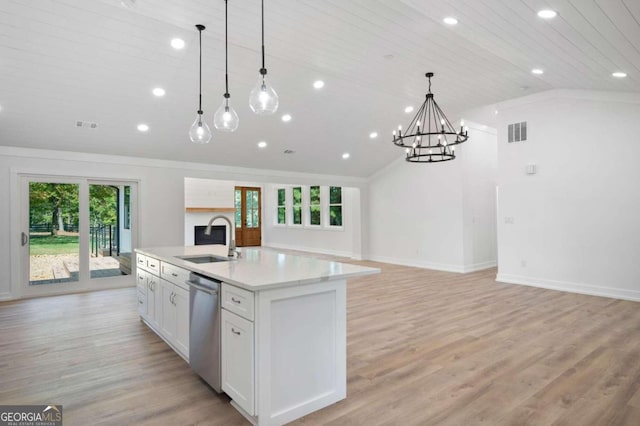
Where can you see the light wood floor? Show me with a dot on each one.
(424, 348)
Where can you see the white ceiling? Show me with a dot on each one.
(68, 60)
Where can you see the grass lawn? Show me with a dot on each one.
(53, 244)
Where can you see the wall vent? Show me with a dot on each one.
(87, 124)
(517, 132)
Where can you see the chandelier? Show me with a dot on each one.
(430, 136)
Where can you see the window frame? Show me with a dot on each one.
(285, 206)
(340, 204)
(310, 204)
(294, 206)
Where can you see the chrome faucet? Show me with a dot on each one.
(232, 242)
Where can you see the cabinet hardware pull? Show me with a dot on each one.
(140, 302)
(233, 330)
(152, 266)
(234, 300)
(174, 274)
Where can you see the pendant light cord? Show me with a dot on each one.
(226, 54)
(263, 70)
(200, 89)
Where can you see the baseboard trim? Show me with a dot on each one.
(6, 296)
(480, 266)
(570, 287)
(313, 250)
(418, 263)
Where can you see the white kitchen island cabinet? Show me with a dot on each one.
(283, 328)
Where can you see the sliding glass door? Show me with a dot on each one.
(77, 233)
(53, 232)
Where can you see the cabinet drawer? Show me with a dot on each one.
(153, 265)
(237, 300)
(141, 281)
(141, 261)
(174, 274)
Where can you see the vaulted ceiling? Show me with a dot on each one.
(67, 60)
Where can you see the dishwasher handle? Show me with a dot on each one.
(202, 288)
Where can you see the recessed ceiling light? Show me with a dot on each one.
(373, 135)
(547, 14)
(262, 144)
(159, 92)
(318, 84)
(450, 20)
(619, 74)
(537, 71)
(177, 43)
(143, 128)
(345, 155)
(286, 118)
(408, 109)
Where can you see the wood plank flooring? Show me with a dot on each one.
(424, 348)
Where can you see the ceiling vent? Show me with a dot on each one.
(517, 132)
(87, 124)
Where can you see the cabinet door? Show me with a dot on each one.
(237, 360)
(168, 318)
(154, 302)
(181, 304)
(142, 304)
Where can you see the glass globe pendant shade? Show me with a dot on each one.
(263, 100)
(226, 119)
(199, 132)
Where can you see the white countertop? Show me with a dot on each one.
(259, 268)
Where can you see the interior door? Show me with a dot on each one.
(248, 216)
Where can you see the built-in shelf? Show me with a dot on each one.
(210, 209)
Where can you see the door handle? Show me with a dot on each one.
(24, 239)
(201, 288)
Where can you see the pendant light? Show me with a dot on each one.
(263, 100)
(430, 137)
(226, 119)
(200, 131)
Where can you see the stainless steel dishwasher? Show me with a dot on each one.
(204, 328)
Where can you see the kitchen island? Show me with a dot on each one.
(282, 323)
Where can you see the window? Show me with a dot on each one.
(237, 203)
(314, 205)
(282, 209)
(297, 205)
(335, 206)
(127, 207)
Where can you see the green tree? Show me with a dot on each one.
(103, 205)
(53, 203)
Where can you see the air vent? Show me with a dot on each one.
(87, 124)
(518, 132)
(289, 151)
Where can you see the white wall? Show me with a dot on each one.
(576, 223)
(161, 189)
(339, 242)
(416, 211)
(479, 175)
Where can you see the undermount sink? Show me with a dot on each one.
(204, 258)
